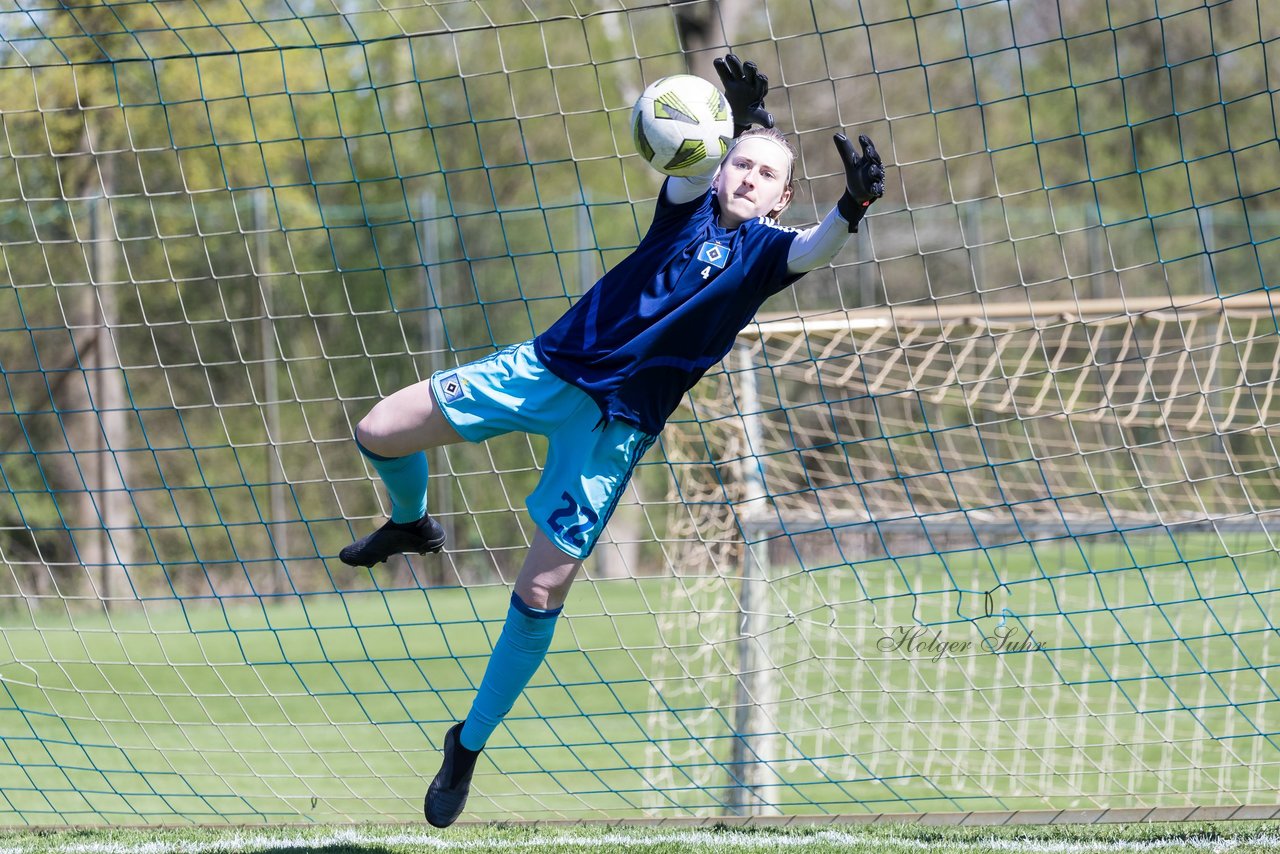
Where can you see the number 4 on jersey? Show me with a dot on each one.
(713, 255)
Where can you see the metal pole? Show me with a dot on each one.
(973, 238)
(586, 261)
(106, 387)
(277, 532)
(101, 273)
(439, 493)
(749, 743)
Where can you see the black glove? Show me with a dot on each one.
(863, 179)
(744, 89)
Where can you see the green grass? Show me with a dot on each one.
(1241, 838)
(1153, 689)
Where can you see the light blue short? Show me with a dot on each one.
(588, 462)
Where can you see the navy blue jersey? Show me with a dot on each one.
(653, 325)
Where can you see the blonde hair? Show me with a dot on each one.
(773, 135)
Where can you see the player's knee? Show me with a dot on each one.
(541, 595)
(371, 431)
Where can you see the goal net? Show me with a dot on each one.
(977, 518)
(986, 544)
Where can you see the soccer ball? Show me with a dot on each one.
(681, 125)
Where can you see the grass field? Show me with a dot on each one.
(1152, 687)
(1239, 838)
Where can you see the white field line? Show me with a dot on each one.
(614, 841)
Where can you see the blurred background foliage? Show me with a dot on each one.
(227, 229)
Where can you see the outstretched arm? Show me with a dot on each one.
(677, 191)
(744, 89)
(864, 183)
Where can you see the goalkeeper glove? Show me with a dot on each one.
(863, 179)
(744, 89)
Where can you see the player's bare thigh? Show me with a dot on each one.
(406, 422)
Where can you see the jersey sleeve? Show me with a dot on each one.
(816, 247)
(667, 212)
(679, 190)
(771, 248)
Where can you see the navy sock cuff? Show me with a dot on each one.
(529, 611)
(371, 455)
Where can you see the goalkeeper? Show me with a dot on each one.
(602, 381)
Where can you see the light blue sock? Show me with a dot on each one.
(519, 652)
(406, 482)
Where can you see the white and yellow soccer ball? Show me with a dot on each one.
(681, 124)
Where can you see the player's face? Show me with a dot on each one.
(752, 181)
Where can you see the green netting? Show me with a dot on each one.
(979, 517)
